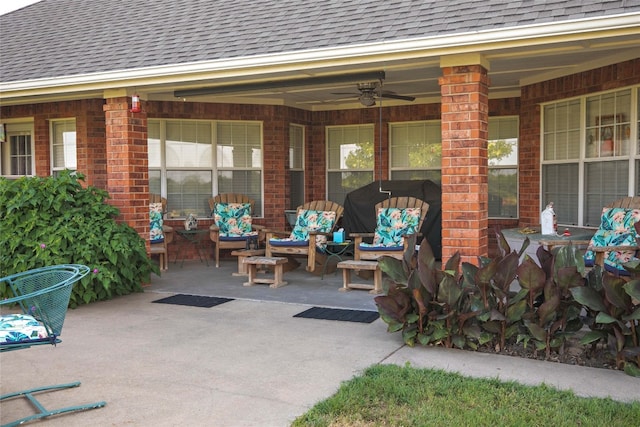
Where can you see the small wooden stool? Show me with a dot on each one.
(277, 262)
(242, 254)
(349, 265)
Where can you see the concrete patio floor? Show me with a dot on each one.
(247, 362)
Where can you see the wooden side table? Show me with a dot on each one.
(242, 254)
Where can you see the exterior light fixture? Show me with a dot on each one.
(135, 104)
(367, 99)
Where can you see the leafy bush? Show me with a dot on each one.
(54, 220)
(467, 306)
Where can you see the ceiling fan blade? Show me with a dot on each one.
(345, 93)
(395, 96)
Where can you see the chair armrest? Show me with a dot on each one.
(600, 251)
(269, 233)
(613, 248)
(168, 233)
(361, 234)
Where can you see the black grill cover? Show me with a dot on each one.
(360, 216)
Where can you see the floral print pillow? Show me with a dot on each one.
(234, 219)
(393, 224)
(616, 229)
(155, 214)
(309, 220)
(20, 327)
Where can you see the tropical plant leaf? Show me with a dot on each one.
(588, 297)
(506, 271)
(593, 336)
(633, 288)
(530, 276)
(548, 310)
(515, 311)
(449, 291)
(615, 293)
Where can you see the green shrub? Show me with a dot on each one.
(55, 220)
(467, 306)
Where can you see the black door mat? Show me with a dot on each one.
(193, 300)
(360, 316)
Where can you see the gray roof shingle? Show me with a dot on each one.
(70, 37)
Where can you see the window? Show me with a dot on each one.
(588, 153)
(296, 165)
(503, 167)
(16, 154)
(416, 153)
(182, 159)
(350, 159)
(63, 145)
(416, 150)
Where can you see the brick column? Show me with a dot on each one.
(127, 163)
(465, 197)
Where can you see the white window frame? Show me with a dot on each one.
(14, 128)
(297, 137)
(69, 147)
(342, 168)
(509, 166)
(582, 160)
(428, 126)
(214, 169)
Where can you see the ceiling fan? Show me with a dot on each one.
(368, 92)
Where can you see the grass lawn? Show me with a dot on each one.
(390, 395)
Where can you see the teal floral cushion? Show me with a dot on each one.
(616, 229)
(310, 220)
(20, 327)
(234, 219)
(155, 214)
(392, 225)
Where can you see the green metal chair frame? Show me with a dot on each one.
(43, 293)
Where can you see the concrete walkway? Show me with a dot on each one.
(247, 362)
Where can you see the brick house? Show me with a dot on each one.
(506, 104)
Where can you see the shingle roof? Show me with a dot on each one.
(70, 37)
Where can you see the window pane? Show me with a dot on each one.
(154, 147)
(154, 182)
(341, 183)
(20, 155)
(239, 145)
(560, 128)
(188, 192)
(350, 148)
(604, 182)
(503, 193)
(416, 145)
(608, 120)
(296, 166)
(188, 145)
(560, 186)
(247, 182)
(297, 189)
(503, 141)
(63, 145)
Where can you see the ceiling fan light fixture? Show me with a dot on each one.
(367, 99)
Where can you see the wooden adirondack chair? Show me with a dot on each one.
(309, 234)
(232, 225)
(388, 240)
(610, 245)
(161, 248)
